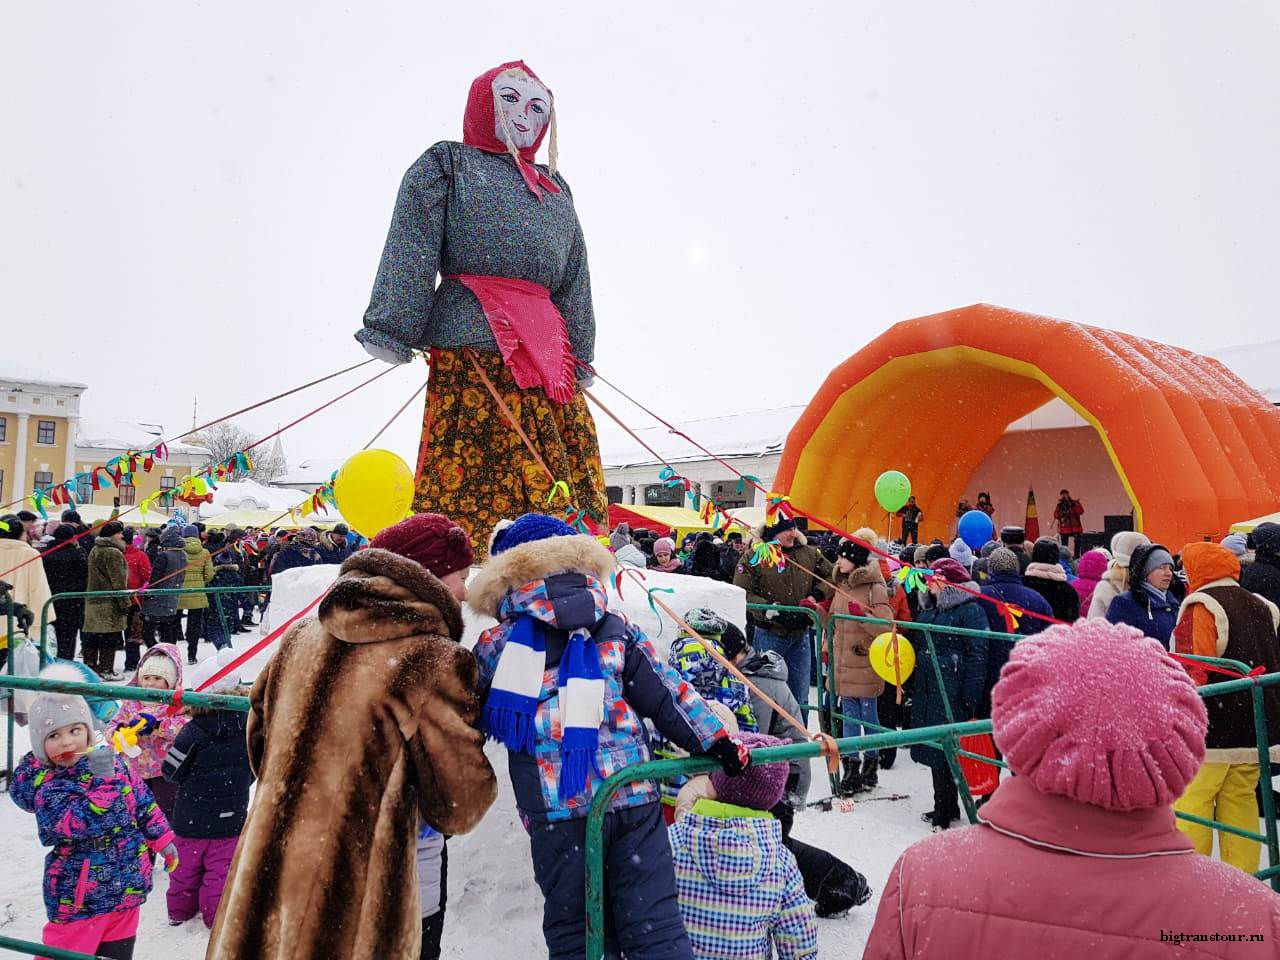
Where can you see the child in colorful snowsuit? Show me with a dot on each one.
(567, 686)
(690, 659)
(102, 822)
(741, 892)
(159, 669)
(209, 763)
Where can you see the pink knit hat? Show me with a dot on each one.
(1101, 714)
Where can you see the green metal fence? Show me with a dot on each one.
(45, 648)
(945, 737)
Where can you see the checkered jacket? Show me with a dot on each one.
(740, 889)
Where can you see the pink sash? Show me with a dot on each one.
(530, 332)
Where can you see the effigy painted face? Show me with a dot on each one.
(522, 108)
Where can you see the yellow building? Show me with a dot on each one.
(44, 440)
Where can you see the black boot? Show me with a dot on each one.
(887, 757)
(852, 777)
(870, 767)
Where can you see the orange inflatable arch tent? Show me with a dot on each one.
(1194, 447)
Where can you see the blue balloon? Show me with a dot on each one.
(975, 529)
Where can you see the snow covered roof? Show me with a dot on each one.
(16, 374)
(314, 472)
(125, 435)
(756, 434)
(250, 495)
(1257, 364)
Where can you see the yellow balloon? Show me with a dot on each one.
(882, 657)
(374, 490)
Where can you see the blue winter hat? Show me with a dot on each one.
(191, 530)
(528, 529)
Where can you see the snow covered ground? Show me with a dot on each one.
(494, 904)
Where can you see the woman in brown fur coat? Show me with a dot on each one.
(361, 721)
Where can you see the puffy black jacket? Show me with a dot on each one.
(1261, 577)
(67, 570)
(209, 761)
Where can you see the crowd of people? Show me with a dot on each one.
(178, 556)
(576, 693)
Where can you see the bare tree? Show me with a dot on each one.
(223, 440)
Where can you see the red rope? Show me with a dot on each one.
(100, 524)
(222, 419)
(870, 547)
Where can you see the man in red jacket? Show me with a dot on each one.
(1067, 514)
(139, 565)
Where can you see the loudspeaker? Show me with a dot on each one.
(1116, 523)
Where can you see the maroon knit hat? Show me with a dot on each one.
(951, 571)
(432, 539)
(757, 787)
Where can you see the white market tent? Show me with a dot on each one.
(1247, 526)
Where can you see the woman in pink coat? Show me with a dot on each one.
(1078, 855)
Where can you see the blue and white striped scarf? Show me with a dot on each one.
(510, 708)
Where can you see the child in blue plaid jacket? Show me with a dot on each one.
(741, 892)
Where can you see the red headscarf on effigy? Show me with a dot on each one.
(478, 128)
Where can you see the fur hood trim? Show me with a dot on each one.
(861, 576)
(536, 561)
(380, 595)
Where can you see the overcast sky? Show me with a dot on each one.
(194, 196)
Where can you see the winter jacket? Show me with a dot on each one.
(362, 722)
(155, 745)
(1067, 513)
(463, 211)
(729, 559)
(168, 572)
(639, 686)
(199, 573)
(432, 861)
(227, 573)
(1044, 876)
(294, 555)
(861, 591)
(1145, 612)
(1109, 587)
(1138, 607)
(741, 893)
(1050, 581)
(1219, 618)
(705, 561)
(102, 831)
(29, 582)
(1008, 588)
(67, 570)
(690, 659)
(328, 553)
(209, 761)
(785, 585)
(963, 662)
(768, 671)
(138, 565)
(1263, 575)
(107, 571)
(1089, 573)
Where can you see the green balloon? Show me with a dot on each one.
(893, 489)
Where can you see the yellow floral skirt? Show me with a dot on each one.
(474, 468)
